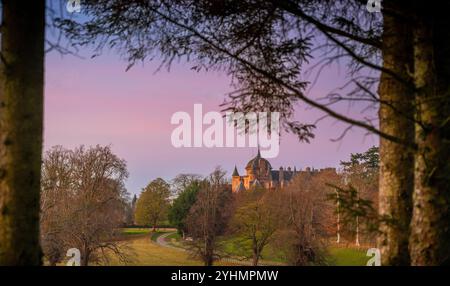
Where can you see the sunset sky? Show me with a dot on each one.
(94, 101)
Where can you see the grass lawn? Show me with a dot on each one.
(175, 236)
(237, 247)
(338, 256)
(144, 251)
(135, 231)
(348, 257)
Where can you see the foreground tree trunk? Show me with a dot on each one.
(21, 119)
(396, 118)
(430, 227)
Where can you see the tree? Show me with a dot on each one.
(55, 207)
(153, 203)
(209, 217)
(361, 177)
(132, 210)
(182, 181)
(430, 224)
(309, 217)
(258, 216)
(129, 210)
(179, 210)
(21, 119)
(396, 118)
(82, 203)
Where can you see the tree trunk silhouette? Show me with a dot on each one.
(85, 257)
(396, 118)
(430, 227)
(21, 120)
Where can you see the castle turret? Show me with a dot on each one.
(235, 179)
(235, 172)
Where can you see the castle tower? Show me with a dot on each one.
(235, 179)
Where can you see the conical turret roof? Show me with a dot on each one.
(235, 172)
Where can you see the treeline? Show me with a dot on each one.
(84, 205)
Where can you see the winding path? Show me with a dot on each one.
(162, 241)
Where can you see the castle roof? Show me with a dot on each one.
(275, 174)
(287, 176)
(235, 172)
(256, 162)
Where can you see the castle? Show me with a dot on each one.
(259, 173)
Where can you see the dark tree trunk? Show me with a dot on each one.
(430, 227)
(256, 255)
(396, 118)
(209, 252)
(21, 119)
(209, 261)
(85, 258)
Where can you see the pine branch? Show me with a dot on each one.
(292, 89)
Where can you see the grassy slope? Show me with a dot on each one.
(338, 256)
(145, 252)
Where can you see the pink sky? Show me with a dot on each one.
(94, 101)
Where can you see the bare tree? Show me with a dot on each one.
(56, 185)
(182, 181)
(209, 217)
(309, 217)
(82, 203)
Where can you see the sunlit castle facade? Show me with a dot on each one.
(259, 173)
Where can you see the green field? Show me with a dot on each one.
(348, 257)
(337, 256)
(239, 248)
(143, 250)
(135, 231)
